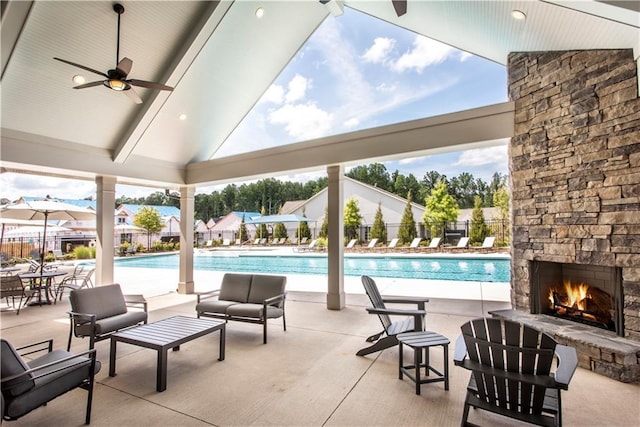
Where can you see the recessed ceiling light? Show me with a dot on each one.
(259, 12)
(182, 116)
(518, 15)
(78, 79)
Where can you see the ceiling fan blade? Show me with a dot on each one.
(133, 95)
(124, 66)
(86, 85)
(400, 6)
(150, 85)
(82, 66)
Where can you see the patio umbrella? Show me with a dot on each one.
(47, 209)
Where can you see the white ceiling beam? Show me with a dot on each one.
(449, 132)
(14, 18)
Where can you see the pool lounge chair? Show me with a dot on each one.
(372, 244)
(311, 247)
(415, 242)
(463, 243)
(393, 243)
(434, 243)
(488, 242)
(351, 243)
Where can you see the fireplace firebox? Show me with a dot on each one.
(587, 294)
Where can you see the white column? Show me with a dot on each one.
(335, 236)
(105, 212)
(187, 209)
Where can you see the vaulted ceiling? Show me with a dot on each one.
(221, 57)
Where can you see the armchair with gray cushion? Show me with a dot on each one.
(30, 384)
(99, 312)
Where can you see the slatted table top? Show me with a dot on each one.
(167, 332)
(422, 339)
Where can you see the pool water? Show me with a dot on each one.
(404, 267)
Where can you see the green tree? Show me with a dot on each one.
(407, 231)
(479, 229)
(441, 207)
(352, 218)
(379, 229)
(262, 231)
(375, 174)
(242, 231)
(303, 228)
(501, 201)
(324, 228)
(280, 231)
(149, 219)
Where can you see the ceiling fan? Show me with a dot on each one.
(116, 79)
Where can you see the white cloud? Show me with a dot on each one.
(465, 55)
(297, 88)
(424, 52)
(483, 156)
(275, 94)
(386, 88)
(412, 160)
(15, 186)
(302, 121)
(351, 123)
(379, 51)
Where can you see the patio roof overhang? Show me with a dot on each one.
(50, 129)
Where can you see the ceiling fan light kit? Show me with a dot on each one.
(116, 79)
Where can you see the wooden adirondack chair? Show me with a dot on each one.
(511, 371)
(388, 336)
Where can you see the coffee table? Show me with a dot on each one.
(163, 335)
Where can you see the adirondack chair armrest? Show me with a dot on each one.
(460, 351)
(547, 381)
(206, 295)
(419, 301)
(397, 312)
(567, 364)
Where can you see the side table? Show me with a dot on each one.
(420, 341)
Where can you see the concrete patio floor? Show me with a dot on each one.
(306, 376)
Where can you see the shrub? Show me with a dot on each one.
(82, 252)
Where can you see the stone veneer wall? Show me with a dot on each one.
(575, 167)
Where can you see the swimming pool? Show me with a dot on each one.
(404, 266)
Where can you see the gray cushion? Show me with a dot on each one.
(12, 364)
(254, 311)
(113, 323)
(235, 287)
(103, 301)
(214, 306)
(264, 286)
(55, 384)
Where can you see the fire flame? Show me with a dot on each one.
(576, 295)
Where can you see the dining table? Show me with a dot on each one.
(46, 278)
(8, 270)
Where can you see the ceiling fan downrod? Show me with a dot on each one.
(119, 9)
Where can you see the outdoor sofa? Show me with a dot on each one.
(252, 298)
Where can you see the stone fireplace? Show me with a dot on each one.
(575, 182)
(586, 294)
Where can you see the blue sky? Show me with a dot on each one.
(355, 72)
